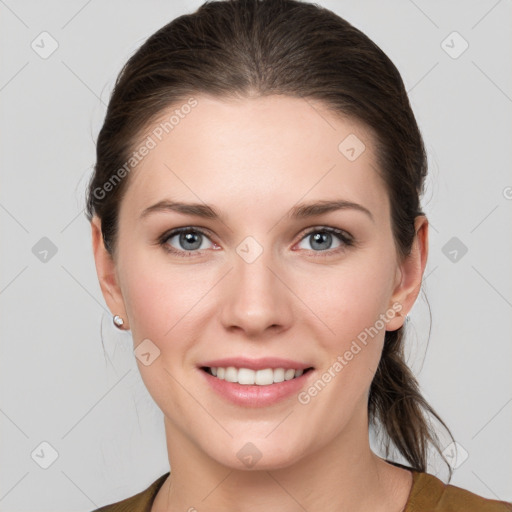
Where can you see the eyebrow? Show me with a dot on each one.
(301, 211)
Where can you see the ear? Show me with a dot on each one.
(107, 276)
(409, 275)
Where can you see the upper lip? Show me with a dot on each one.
(256, 364)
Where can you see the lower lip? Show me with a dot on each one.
(253, 395)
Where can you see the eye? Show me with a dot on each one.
(188, 241)
(321, 239)
(185, 240)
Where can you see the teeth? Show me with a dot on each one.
(247, 376)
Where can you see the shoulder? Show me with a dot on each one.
(140, 502)
(430, 494)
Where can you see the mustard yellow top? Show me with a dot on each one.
(428, 494)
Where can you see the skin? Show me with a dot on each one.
(253, 159)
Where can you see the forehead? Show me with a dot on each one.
(257, 152)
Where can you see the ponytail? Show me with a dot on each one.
(395, 401)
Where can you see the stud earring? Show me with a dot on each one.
(118, 321)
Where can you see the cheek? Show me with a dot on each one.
(351, 309)
(350, 298)
(164, 305)
(161, 300)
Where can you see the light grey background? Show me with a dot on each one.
(57, 386)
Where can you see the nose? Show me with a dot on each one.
(257, 301)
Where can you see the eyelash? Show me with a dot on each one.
(345, 239)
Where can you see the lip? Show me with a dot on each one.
(255, 396)
(256, 364)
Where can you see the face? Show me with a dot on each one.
(255, 274)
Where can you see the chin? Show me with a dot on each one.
(259, 454)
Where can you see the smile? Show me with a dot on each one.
(246, 376)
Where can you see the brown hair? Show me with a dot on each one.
(244, 48)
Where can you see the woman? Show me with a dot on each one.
(256, 223)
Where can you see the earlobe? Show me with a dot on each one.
(411, 274)
(106, 271)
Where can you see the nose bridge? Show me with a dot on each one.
(254, 278)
